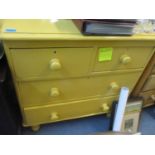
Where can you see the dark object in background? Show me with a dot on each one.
(113, 112)
(109, 27)
(10, 118)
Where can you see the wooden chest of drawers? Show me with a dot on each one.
(60, 74)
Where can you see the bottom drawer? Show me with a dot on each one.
(149, 98)
(52, 113)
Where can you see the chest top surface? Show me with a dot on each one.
(45, 29)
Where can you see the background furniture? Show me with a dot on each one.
(60, 74)
(146, 84)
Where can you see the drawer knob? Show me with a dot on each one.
(105, 107)
(55, 64)
(54, 92)
(54, 116)
(125, 59)
(153, 97)
(114, 86)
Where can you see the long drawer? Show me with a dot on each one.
(52, 113)
(56, 91)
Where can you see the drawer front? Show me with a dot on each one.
(148, 97)
(122, 58)
(55, 91)
(51, 62)
(150, 83)
(153, 70)
(53, 113)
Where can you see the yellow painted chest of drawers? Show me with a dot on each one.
(60, 74)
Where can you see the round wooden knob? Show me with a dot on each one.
(152, 97)
(125, 59)
(54, 116)
(55, 64)
(54, 92)
(105, 107)
(114, 86)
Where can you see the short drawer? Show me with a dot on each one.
(150, 83)
(57, 91)
(51, 62)
(70, 110)
(109, 59)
